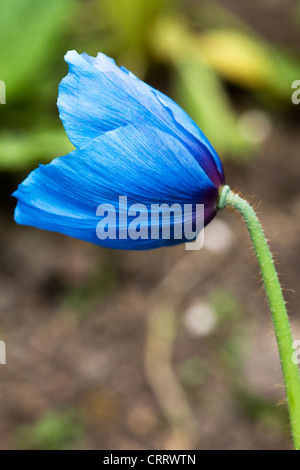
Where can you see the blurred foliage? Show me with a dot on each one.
(200, 91)
(192, 50)
(30, 31)
(250, 62)
(261, 410)
(27, 148)
(129, 26)
(51, 432)
(192, 372)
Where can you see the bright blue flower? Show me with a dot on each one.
(131, 140)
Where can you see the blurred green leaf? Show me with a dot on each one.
(199, 91)
(236, 54)
(54, 431)
(249, 61)
(129, 23)
(29, 33)
(20, 150)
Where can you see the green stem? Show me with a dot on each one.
(277, 305)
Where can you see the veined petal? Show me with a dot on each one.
(97, 96)
(189, 125)
(64, 195)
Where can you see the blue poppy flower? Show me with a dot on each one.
(131, 140)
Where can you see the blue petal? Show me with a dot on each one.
(64, 195)
(187, 123)
(97, 96)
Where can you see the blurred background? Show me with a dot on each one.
(165, 349)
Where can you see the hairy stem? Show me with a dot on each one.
(280, 319)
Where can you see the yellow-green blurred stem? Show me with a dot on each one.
(280, 319)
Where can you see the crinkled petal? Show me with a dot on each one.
(63, 196)
(97, 96)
